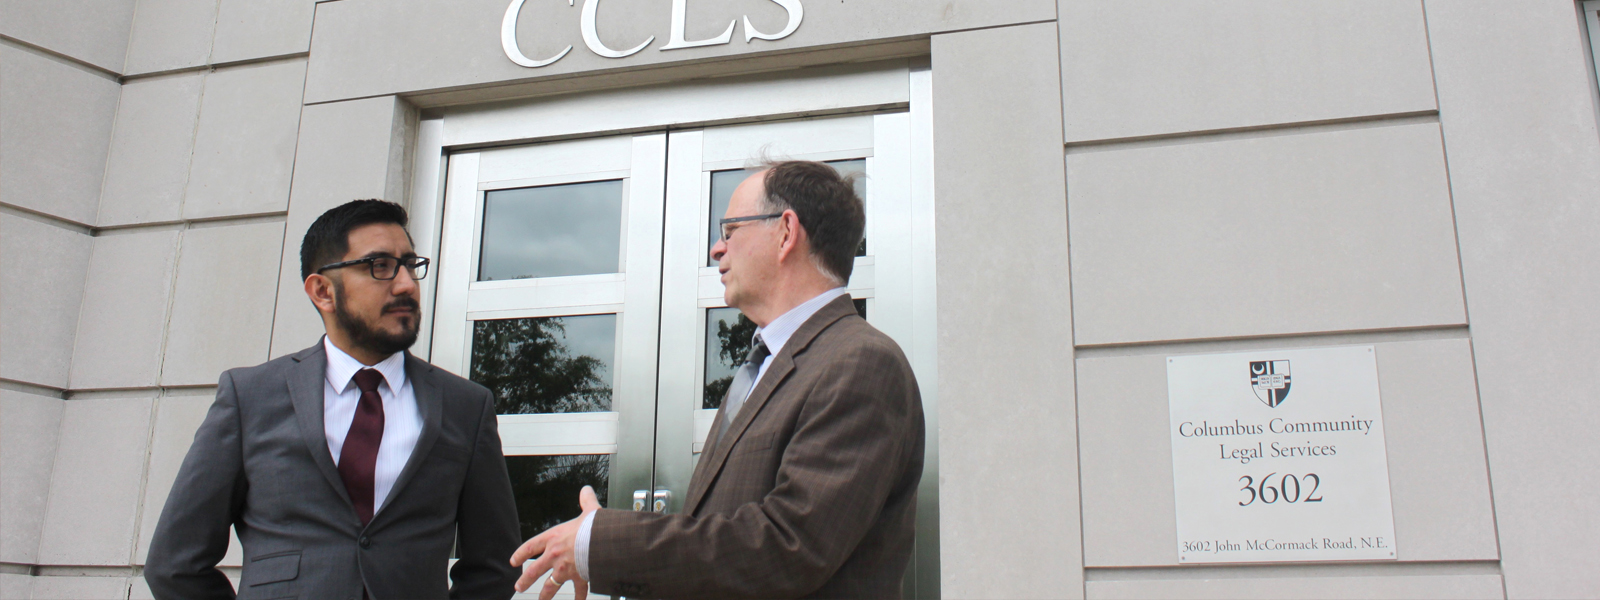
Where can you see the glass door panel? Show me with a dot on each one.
(724, 182)
(547, 487)
(552, 231)
(550, 298)
(546, 364)
(728, 339)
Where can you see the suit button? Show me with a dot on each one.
(365, 542)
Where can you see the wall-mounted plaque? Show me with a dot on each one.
(1278, 456)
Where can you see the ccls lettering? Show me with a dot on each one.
(676, 40)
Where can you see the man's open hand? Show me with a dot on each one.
(557, 552)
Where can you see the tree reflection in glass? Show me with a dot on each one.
(728, 338)
(729, 335)
(546, 487)
(547, 364)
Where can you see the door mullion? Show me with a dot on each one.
(682, 255)
(636, 387)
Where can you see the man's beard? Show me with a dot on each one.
(377, 341)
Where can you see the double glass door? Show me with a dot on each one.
(575, 282)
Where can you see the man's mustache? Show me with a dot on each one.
(402, 303)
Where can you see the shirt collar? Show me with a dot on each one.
(342, 368)
(779, 330)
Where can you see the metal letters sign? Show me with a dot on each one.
(676, 39)
(1279, 456)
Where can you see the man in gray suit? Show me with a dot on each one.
(350, 469)
(807, 486)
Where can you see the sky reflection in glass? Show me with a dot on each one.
(724, 182)
(552, 231)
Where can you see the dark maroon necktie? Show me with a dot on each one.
(359, 457)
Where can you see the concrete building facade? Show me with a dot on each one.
(1061, 194)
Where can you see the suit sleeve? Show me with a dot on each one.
(841, 463)
(487, 528)
(206, 498)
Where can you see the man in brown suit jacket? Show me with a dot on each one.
(807, 484)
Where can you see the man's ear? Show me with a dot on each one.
(793, 234)
(320, 289)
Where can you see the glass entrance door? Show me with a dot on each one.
(549, 295)
(576, 283)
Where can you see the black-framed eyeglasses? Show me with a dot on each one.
(385, 268)
(728, 231)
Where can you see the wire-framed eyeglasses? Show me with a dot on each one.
(728, 231)
(385, 268)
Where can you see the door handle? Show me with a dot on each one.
(657, 501)
(662, 499)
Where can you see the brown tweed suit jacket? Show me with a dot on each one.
(811, 492)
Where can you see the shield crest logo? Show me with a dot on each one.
(1270, 380)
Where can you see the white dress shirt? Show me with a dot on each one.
(774, 335)
(402, 420)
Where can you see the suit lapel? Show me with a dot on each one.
(430, 402)
(305, 392)
(711, 464)
(782, 365)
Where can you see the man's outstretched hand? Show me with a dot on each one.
(557, 552)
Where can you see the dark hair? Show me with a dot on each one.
(828, 207)
(328, 239)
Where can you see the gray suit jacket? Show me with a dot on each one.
(260, 463)
(811, 493)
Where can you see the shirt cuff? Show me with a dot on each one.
(581, 546)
